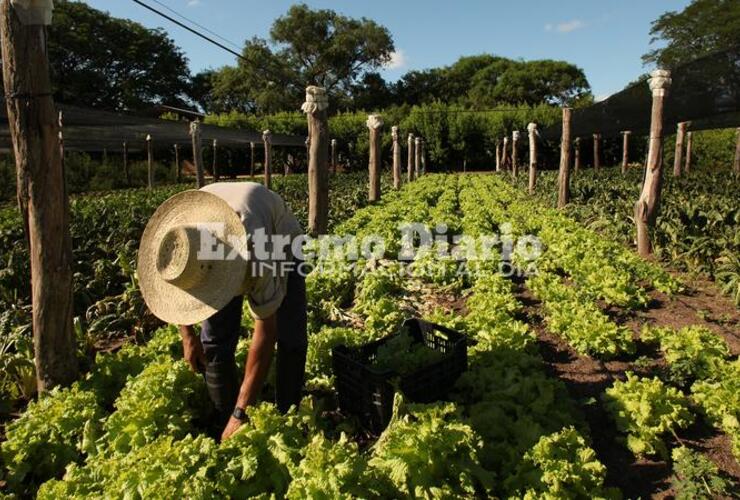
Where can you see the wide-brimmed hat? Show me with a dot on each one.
(187, 268)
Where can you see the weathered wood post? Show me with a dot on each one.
(197, 154)
(625, 150)
(333, 156)
(396, 158)
(646, 208)
(423, 156)
(505, 153)
(251, 160)
(498, 156)
(597, 151)
(532, 131)
(689, 141)
(410, 162)
(214, 163)
(267, 141)
(374, 124)
(41, 191)
(736, 164)
(178, 170)
(318, 159)
(417, 157)
(678, 155)
(515, 153)
(126, 173)
(564, 172)
(149, 162)
(577, 154)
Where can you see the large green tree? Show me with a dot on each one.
(105, 62)
(703, 27)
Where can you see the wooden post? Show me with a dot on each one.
(126, 174)
(498, 156)
(646, 208)
(564, 172)
(197, 154)
(318, 159)
(505, 153)
(677, 159)
(515, 153)
(374, 123)
(149, 162)
(736, 164)
(396, 158)
(625, 150)
(532, 130)
(597, 151)
(214, 164)
(689, 141)
(251, 160)
(577, 154)
(410, 162)
(267, 141)
(42, 195)
(178, 170)
(417, 156)
(333, 156)
(423, 156)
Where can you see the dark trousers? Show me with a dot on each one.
(220, 334)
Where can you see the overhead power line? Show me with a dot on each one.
(204, 28)
(193, 31)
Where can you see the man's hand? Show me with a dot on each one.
(231, 427)
(193, 349)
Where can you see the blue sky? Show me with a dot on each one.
(604, 37)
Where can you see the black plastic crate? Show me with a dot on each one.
(368, 393)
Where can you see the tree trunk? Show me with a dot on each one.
(42, 195)
(736, 165)
(318, 160)
(214, 164)
(505, 154)
(374, 123)
(564, 173)
(532, 130)
(197, 154)
(646, 208)
(625, 150)
(396, 158)
(597, 151)
(498, 156)
(678, 159)
(577, 154)
(417, 157)
(333, 156)
(689, 140)
(515, 153)
(251, 160)
(178, 170)
(410, 162)
(126, 174)
(267, 140)
(149, 162)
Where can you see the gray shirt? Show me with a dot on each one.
(261, 210)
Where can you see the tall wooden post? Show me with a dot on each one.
(577, 154)
(333, 156)
(689, 141)
(318, 159)
(178, 170)
(646, 208)
(423, 156)
(498, 156)
(149, 162)
(396, 158)
(126, 173)
(564, 172)
(267, 141)
(678, 159)
(736, 164)
(410, 161)
(597, 151)
(374, 124)
(505, 153)
(214, 164)
(42, 195)
(197, 154)
(417, 157)
(251, 160)
(515, 153)
(532, 131)
(625, 150)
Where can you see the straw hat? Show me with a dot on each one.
(180, 284)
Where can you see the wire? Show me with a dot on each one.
(193, 31)
(181, 16)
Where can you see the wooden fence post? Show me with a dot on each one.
(197, 154)
(149, 162)
(423, 156)
(333, 156)
(625, 150)
(498, 156)
(646, 208)
(410, 162)
(374, 124)
(677, 159)
(251, 160)
(736, 165)
(564, 172)
(515, 153)
(41, 190)
(577, 154)
(214, 164)
(178, 170)
(417, 156)
(532, 130)
(126, 174)
(396, 158)
(505, 154)
(597, 151)
(689, 141)
(267, 141)
(318, 159)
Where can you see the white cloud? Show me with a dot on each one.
(193, 3)
(601, 97)
(398, 60)
(565, 27)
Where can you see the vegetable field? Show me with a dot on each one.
(578, 384)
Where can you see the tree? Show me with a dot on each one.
(372, 93)
(703, 27)
(101, 61)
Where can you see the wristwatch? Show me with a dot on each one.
(239, 414)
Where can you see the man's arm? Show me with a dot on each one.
(192, 349)
(258, 365)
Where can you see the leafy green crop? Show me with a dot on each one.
(403, 354)
(719, 399)
(696, 477)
